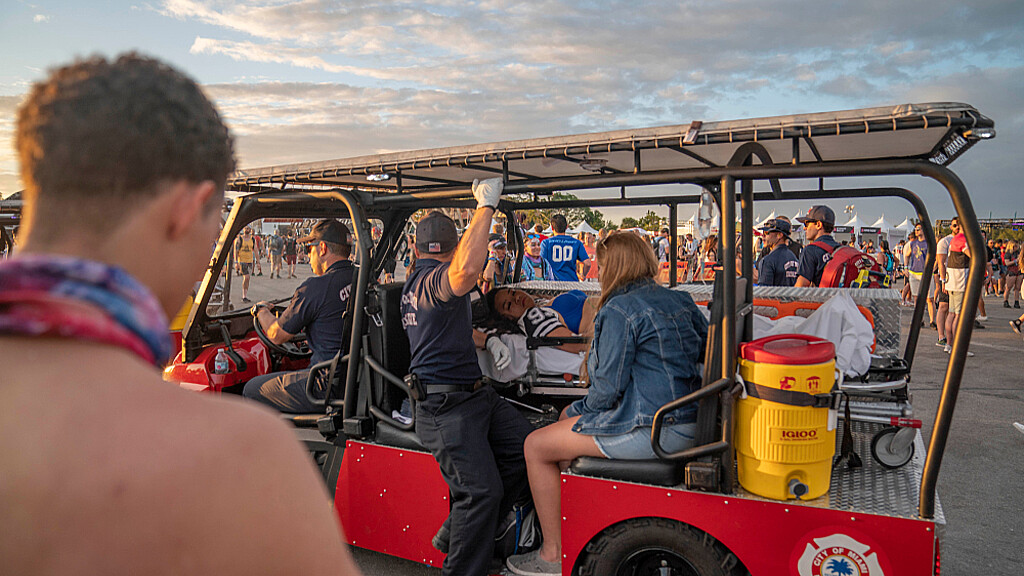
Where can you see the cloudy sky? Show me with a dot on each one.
(321, 79)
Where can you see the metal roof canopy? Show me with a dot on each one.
(938, 132)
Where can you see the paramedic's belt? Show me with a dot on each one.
(441, 388)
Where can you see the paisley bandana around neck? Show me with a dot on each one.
(60, 296)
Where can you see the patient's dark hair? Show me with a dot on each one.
(99, 138)
(490, 320)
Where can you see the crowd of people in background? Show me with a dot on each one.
(779, 262)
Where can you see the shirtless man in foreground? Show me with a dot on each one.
(106, 468)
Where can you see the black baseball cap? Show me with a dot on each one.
(819, 214)
(328, 231)
(777, 225)
(436, 234)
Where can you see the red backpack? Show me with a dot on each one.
(850, 268)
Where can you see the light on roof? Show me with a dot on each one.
(594, 164)
(980, 133)
(378, 177)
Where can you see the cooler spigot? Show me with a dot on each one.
(797, 488)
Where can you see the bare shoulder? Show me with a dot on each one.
(124, 473)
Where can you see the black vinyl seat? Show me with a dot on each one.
(657, 472)
(389, 347)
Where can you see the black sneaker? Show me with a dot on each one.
(978, 325)
(1016, 304)
(1006, 304)
(941, 342)
(933, 326)
(1015, 324)
(246, 300)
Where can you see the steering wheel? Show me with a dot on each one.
(296, 348)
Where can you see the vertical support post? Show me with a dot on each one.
(673, 243)
(747, 266)
(965, 325)
(727, 235)
(229, 266)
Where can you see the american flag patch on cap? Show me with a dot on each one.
(434, 247)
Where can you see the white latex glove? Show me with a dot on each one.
(487, 192)
(499, 352)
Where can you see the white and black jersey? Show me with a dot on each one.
(538, 322)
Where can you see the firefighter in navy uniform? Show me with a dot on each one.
(818, 225)
(474, 434)
(779, 266)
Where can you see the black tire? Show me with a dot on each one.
(644, 546)
(882, 452)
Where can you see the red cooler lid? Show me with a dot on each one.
(788, 349)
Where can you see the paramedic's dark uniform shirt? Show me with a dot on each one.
(318, 306)
(813, 259)
(778, 268)
(439, 325)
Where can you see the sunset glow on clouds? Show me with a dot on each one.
(315, 79)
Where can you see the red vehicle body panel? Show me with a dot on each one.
(198, 375)
(770, 538)
(391, 500)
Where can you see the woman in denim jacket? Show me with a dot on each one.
(647, 343)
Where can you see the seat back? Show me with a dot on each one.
(389, 346)
(708, 411)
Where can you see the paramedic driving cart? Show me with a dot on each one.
(318, 308)
(475, 436)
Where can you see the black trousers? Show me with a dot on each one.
(477, 439)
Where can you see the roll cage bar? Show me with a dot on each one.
(339, 189)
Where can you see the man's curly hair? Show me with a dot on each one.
(104, 135)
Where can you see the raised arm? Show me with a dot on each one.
(471, 253)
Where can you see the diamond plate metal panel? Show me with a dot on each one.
(883, 303)
(872, 489)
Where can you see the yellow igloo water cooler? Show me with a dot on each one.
(784, 446)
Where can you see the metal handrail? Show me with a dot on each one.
(715, 387)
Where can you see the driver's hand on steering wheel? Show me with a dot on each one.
(255, 310)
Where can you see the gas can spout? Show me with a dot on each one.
(797, 488)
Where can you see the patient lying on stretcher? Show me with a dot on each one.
(515, 314)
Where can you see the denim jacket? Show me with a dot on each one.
(647, 343)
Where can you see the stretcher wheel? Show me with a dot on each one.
(893, 447)
(657, 546)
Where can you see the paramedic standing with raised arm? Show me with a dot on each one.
(475, 435)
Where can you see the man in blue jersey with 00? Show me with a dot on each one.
(562, 252)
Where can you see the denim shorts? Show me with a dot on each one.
(636, 444)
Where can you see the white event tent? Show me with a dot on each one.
(889, 232)
(906, 228)
(762, 222)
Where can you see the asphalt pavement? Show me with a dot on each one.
(981, 481)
